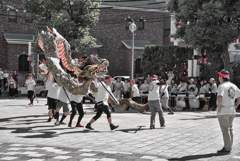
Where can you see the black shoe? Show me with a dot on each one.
(113, 126)
(88, 126)
(95, 110)
(223, 151)
(171, 113)
(49, 119)
(63, 123)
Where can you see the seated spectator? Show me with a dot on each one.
(145, 89)
(193, 101)
(181, 87)
(135, 92)
(173, 86)
(192, 85)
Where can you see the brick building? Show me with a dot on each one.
(113, 37)
(16, 32)
(113, 32)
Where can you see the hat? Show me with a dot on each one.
(132, 80)
(108, 78)
(29, 75)
(191, 80)
(224, 73)
(212, 79)
(154, 77)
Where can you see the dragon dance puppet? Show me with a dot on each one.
(56, 49)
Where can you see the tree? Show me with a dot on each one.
(72, 18)
(208, 24)
(160, 59)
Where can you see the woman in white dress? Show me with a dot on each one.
(118, 88)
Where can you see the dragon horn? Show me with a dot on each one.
(51, 32)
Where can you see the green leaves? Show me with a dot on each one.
(160, 59)
(71, 18)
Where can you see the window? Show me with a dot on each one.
(23, 63)
(141, 24)
(166, 32)
(128, 22)
(28, 17)
(12, 16)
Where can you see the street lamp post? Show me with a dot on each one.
(132, 28)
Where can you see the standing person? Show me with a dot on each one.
(137, 81)
(53, 92)
(154, 102)
(165, 97)
(5, 79)
(173, 87)
(135, 92)
(15, 76)
(145, 90)
(11, 87)
(202, 90)
(213, 98)
(63, 101)
(148, 78)
(226, 108)
(170, 76)
(118, 88)
(1, 77)
(206, 85)
(30, 86)
(76, 104)
(192, 85)
(103, 96)
(126, 89)
(181, 87)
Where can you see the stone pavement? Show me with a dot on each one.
(25, 135)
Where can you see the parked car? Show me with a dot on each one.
(39, 88)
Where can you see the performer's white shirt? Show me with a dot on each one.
(5, 75)
(135, 91)
(102, 94)
(76, 98)
(30, 83)
(166, 94)
(46, 84)
(63, 95)
(53, 90)
(229, 93)
(1, 74)
(153, 91)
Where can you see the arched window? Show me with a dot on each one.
(23, 63)
(138, 69)
(28, 17)
(12, 16)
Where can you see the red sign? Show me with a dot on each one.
(29, 58)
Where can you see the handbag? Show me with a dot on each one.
(11, 86)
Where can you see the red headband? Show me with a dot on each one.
(224, 75)
(109, 79)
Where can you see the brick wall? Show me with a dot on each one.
(9, 52)
(111, 30)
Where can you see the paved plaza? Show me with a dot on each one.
(25, 135)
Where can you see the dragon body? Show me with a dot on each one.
(57, 49)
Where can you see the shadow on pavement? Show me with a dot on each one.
(195, 157)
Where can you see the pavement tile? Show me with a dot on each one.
(9, 158)
(62, 157)
(148, 157)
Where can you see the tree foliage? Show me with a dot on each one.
(208, 24)
(160, 59)
(72, 19)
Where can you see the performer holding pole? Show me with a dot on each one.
(104, 91)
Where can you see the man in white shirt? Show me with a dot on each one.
(135, 95)
(30, 86)
(102, 99)
(154, 102)
(226, 108)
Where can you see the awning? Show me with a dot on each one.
(138, 44)
(18, 38)
(98, 43)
